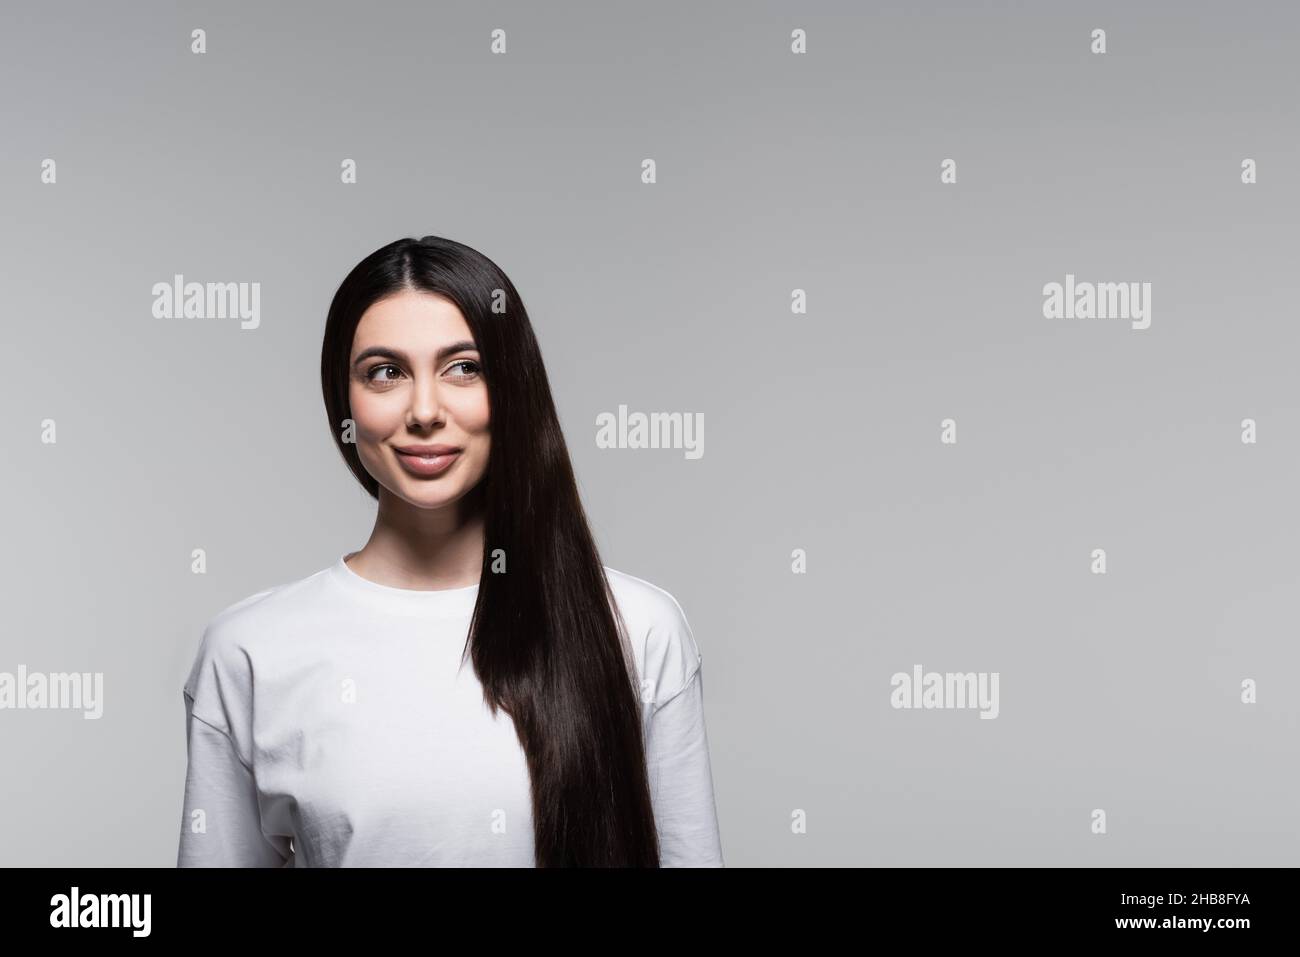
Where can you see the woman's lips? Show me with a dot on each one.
(427, 465)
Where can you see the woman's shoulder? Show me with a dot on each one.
(231, 635)
(644, 595)
(246, 614)
(663, 642)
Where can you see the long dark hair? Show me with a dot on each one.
(543, 637)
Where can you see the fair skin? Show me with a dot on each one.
(425, 387)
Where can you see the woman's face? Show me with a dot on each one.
(415, 380)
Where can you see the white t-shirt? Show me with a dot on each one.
(336, 712)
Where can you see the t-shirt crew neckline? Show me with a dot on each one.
(440, 602)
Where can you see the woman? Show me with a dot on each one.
(472, 687)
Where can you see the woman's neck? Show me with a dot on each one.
(421, 548)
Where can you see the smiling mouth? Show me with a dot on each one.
(427, 463)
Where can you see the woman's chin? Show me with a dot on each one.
(425, 494)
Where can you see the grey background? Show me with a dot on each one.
(776, 172)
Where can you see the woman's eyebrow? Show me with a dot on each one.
(389, 353)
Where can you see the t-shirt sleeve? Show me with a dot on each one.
(677, 757)
(221, 823)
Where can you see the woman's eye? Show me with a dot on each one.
(473, 366)
(373, 378)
